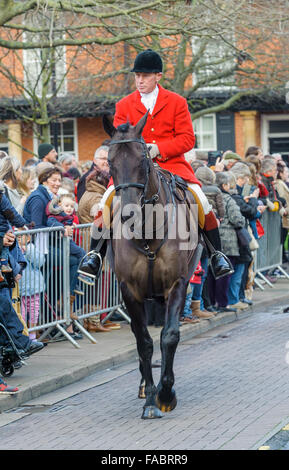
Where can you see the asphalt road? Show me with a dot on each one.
(232, 385)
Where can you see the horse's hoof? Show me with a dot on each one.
(151, 412)
(141, 392)
(166, 405)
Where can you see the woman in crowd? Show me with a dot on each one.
(232, 220)
(208, 179)
(10, 173)
(28, 181)
(248, 204)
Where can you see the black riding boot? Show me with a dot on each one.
(91, 263)
(220, 264)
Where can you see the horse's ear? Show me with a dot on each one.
(140, 125)
(108, 126)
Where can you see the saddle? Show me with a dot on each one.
(179, 189)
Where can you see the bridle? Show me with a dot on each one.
(144, 186)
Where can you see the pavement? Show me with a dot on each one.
(60, 363)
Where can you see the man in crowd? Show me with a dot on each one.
(47, 153)
(100, 162)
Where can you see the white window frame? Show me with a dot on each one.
(32, 58)
(75, 139)
(201, 133)
(209, 73)
(265, 134)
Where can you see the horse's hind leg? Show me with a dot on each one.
(145, 351)
(166, 397)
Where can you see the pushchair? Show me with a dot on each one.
(10, 356)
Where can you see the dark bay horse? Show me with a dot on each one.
(153, 271)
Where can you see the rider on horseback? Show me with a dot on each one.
(168, 134)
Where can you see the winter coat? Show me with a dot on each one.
(215, 198)
(169, 126)
(88, 204)
(15, 198)
(268, 181)
(32, 281)
(35, 206)
(214, 195)
(283, 191)
(233, 219)
(82, 181)
(248, 209)
(17, 260)
(8, 215)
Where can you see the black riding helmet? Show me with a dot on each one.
(148, 61)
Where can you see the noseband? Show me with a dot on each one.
(143, 186)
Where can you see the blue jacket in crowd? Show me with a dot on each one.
(8, 215)
(35, 206)
(32, 281)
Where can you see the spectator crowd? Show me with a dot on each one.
(240, 190)
(58, 191)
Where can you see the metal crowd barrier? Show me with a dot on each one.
(43, 292)
(269, 254)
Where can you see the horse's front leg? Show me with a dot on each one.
(144, 344)
(170, 336)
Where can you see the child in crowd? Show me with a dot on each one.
(8, 217)
(61, 211)
(31, 284)
(192, 311)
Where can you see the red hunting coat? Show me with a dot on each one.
(169, 126)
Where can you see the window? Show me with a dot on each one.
(63, 132)
(275, 134)
(41, 65)
(213, 58)
(205, 132)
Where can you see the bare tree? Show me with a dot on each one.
(226, 49)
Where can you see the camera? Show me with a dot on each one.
(212, 157)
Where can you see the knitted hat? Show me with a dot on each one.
(205, 175)
(232, 156)
(44, 149)
(148, 62)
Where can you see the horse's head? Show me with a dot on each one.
(128, 160)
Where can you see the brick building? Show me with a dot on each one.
(77, 127)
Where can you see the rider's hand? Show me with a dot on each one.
(153, 150)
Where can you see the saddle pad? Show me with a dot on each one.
(201, 213)
(107, 209)
(106, 214)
